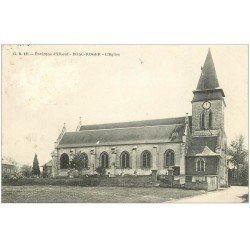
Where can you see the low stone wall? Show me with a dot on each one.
(119, 181)
(209, 183)
(196, 185)
(85, 182)
(212, 183)
(113, 173)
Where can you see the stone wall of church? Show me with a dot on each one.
(217, 108)
(211, 164)
(135, 151)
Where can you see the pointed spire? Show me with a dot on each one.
(61, 134)
(208, 78)
(208, 86)
(79, 124)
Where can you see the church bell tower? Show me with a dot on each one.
(208, 102)
(206, 155)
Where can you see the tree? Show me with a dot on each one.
(79, 162)
(243, 174)
(238, 156)
(26, 171)
(36, 169)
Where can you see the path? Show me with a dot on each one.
(230, 195)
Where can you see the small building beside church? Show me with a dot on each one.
(192, 147)
(8, 169)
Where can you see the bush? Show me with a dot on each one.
(73, 173)
(101, 171)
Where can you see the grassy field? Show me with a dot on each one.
(61, 194)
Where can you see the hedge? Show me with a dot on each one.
(85, 182)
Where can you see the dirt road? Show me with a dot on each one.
(234, 194)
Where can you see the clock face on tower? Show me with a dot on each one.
(206, 105)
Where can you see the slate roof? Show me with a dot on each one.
(208, 86)
(212, 142)
(208, 78)
(156, 122)
(200, 151)
(150, 131)
(204, 146)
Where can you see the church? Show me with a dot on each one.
(192, 147)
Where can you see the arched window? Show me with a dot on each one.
(202, 120)
(84, 159)
(104, 160)
(146, 159)
(64, 161)
(200, 165)
(124, 159)
(169, 158)
(210, 119)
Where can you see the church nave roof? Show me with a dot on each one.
(137, 132)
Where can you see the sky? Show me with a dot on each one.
(41, 90)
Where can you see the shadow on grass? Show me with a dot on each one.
(245, 197)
